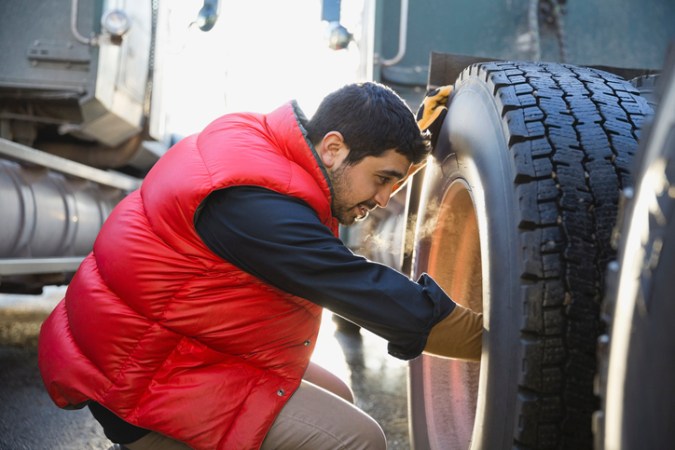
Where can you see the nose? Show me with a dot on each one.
(382, 197)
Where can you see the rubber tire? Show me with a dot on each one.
(518, 210)
(638, 362)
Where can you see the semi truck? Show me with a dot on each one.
(74, 139)
(81, 121)
(545, 204)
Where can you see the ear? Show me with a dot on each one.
(332, 149)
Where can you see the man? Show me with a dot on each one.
(192, 322)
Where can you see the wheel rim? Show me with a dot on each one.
(455, 263)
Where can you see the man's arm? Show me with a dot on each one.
(280, 240)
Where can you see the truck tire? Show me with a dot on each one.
(516, 213)
(637, 356)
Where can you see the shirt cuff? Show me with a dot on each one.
(442, 307)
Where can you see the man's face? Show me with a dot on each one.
(365, 185)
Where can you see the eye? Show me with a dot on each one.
(382, 180)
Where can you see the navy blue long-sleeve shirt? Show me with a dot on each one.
(281, 240)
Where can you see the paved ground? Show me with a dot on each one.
(29, 421)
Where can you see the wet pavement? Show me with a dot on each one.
(30, 421)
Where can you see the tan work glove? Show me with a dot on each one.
(430, 116)
(457, 336)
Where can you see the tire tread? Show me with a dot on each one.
(572, 133)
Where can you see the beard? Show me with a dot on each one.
(345, 211)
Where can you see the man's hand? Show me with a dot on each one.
(430, 117)
(457, 336)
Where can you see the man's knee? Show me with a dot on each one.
(370, 435)
(296, 433)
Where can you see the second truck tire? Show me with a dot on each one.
(516, 214)
(637, 355)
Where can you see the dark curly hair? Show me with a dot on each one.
(372, 119)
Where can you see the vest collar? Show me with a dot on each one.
(287, 124)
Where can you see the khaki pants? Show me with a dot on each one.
(319, 416)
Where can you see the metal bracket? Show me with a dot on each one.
(24, 153)
(25, 266)
(66, 53)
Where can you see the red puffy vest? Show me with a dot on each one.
(163, 332)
